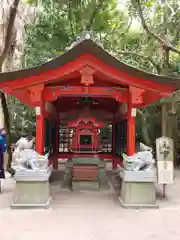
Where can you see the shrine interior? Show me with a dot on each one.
(86, 126)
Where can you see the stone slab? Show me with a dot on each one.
(140, 176)
(85, 160)
(30, 206)
(137, 206)
(85, 185)
(31, 194)
(165, 171)
(138, 195)
(33, 175)
(103, 178)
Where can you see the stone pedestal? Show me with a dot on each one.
(137, 190)
(32, 189)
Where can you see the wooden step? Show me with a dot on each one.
(85, 172)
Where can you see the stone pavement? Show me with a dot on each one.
(90, 216)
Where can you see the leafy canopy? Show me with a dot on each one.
(60, 22)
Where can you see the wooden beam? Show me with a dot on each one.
(87, 75)
(24, 97)
(136, 95)
(150, 97)
(36, 93)
(86, 118)
(52, 93)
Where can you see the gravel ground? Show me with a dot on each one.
(90, 216)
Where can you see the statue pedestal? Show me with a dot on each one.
(137, 190)
(32, 189)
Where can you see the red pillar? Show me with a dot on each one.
(131, 129)
(115, 164)
(57, 136)
(40, 129)
(113, 136)
(55, 162)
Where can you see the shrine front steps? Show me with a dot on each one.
(100, 183)
(63, 175)
(64, 180)
(85, 185)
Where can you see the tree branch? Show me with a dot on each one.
(158, 69)
(70, 18)
(93, 16)
(177, 35)
(12, 16)
(152, 34)
(112, 32)
(167, 59)
(128, 27)
(169, 6)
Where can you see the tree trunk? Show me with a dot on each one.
(4, 54)
(144, 130)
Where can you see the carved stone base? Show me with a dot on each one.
(138, 189)
(32, 190)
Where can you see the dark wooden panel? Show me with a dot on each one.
(85, 172)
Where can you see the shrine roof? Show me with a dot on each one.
(88, 46)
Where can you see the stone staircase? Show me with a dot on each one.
(86, 173)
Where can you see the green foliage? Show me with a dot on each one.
(59, 24)
(165, 100)
(140, 41)
(21, 117)
(29, 1)
(120, 31)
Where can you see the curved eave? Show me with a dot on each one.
(84, 47)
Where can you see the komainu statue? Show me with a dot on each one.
(140, 161)
(25, 157)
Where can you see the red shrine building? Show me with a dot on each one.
(86, 136)
(82, 92)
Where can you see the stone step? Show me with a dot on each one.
(57, 175)
(85, 185)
